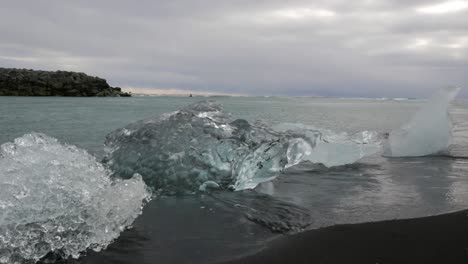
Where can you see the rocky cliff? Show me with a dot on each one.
(24, 82)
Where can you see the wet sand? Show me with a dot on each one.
(436, 239)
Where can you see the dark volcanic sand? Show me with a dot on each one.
(437, 239)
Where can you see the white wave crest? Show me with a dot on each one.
(428, 132)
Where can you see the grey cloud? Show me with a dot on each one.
(230, 46)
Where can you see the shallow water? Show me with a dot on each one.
(216, 227)
(85, 122)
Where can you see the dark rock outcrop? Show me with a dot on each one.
(24, 82)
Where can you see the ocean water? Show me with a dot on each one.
(222, 225)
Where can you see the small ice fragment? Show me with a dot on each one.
(208, 185)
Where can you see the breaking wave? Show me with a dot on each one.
(58, 198)
(200, 146)
(428, 132)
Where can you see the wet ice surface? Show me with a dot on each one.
(201, 146)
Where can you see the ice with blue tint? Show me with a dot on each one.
(180, 151)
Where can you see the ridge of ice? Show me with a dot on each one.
(56, 197)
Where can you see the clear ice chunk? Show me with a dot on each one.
(330, 148)
(428, 132)
(178, 152)
(56, 197)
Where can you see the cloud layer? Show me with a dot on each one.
(332, 48)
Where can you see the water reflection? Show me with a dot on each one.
(379, 189)
(212, 228)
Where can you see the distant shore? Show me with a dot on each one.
(435, 239)
(26, 82)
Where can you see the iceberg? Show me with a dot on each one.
(58, 198)
(181, 151)
(428, 132)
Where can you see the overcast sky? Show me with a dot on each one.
(359, 48)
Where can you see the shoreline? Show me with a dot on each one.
(433, 239)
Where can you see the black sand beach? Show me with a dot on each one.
(435, 239)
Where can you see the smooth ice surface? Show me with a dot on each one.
(180, 151)
(331, 149)
(428, 132)
(56, 197)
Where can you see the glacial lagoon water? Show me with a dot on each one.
(221, 225)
